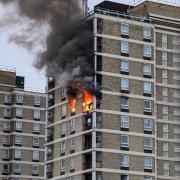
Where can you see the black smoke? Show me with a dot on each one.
(68, 53)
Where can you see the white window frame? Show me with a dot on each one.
(149, 164)
(124, 144)
(124, 106)
(63, 146)
(124, 84)
(18, 139)
(36, 127)
(72, 163)
(19, 98)
(62, 165)
(149, 146)
(148, 109)
(35, 171)
(15, 169)
(17, 153)
(124, 47)
(124, 122)
(124, 29)
(124, 157)
(5, 153)
(19, 111)
(123, 67)
(18, 125)
(73, 125)
(73, 143)
(63, 128)
(6, 125)
(36, 143)
(147, 50)
(145, 34)
(37, 100)
(35, 155)
(148, 73)
(37, 113)
(147, 128)
(7, 98)
(7, 112)
(147, 87)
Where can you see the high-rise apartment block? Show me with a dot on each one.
(131, 131)
(22, 122)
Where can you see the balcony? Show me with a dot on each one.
(50, 99)
(88, 141)
(88, 122)
(49, 154)
(87, 161)
(49, 173)
(50, 138)
(50, 117)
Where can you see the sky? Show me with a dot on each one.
(19, 58)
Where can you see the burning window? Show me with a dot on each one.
(72, 103)
(87, 101)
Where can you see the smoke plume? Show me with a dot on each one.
(68, 52)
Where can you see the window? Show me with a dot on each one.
(37, 100)
(124, 141)
(63, 146)
(63, 92)
(6, 153)
(17, 153)
(98, 176)
(73, 144)
(35, 169)
(147, 105)
(36, 128)
(98, 157)
(5, 168)
(147, 125)
(7, 98)
(124, 29)
(147, 87)
(147, 50)
(147, 33)
(37, 113)
(124, 66)
(18, 126)
(124, 177)
(6, 125)
(19, 98)
(72, 163)
(147, 162)
(6, 140)
(166, 168)
(63, 111)
(35, 141)
(124, 47)
(98, 137)
(62, 165)
(124, 84)
(148, 143)
(124, 160)
(147, 178)
(18, 139)
(63, 128)
(7, 112)
(124, 122)
(147, 69)
(124, 103)
(18, 111)
(17, 168)
(73, 125)
(35, 155)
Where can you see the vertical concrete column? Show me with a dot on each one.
(94, 104)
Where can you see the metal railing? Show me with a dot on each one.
(175, 3)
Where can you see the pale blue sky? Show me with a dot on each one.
(15, 56)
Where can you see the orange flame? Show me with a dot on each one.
(72, 103)
(87, 100)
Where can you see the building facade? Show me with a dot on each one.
(22, 122)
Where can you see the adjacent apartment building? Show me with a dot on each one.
(132, 130)
(22, 122)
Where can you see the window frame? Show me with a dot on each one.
(147, 109)
(35, 171)
(36, 143)
(19, 125)
(151, 162)
(19, 98)
(149, 49)
(73, 125)
(144, 34)
(151, 125)
(35, 155)
(122, 105)
(123, 68)
(5, 170)
(36, 127)
(16, 170)
(126, 81)
(123, 31)
(72, 163)
(123, 163)
(5, 153)
(18, 142)
(149, 73)
(149, 89)
(17, 153)
(63, 146)
(6, 125)
(19, 111)
(62, 168)
(37, 113)
(124, 144)
(7, 98)
(124, 118)
(148, 147)
(123, 45)
(73, 143)
(37, 100)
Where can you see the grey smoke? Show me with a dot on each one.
(68, 53)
